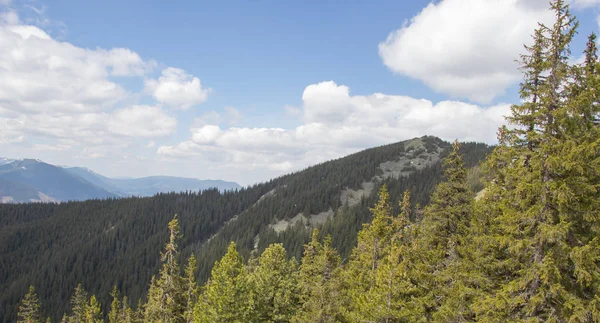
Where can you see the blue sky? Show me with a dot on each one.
(248, 90)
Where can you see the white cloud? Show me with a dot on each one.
(177, 89)
(59, 100)
(141, 121)
(337, 123)
(465, 48)
(40, 74)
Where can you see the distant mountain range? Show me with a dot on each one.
(32, 180)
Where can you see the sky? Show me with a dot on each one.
(250, 90)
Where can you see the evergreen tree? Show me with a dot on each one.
(273, 287)
(191, 293)
(29, 310)
(166, 300)
(544, 224)
(114, 314)
(319, 283)
(376, 280)
(79, 306)
(126, 313)
(442, 243)
(93, 313)
(225, 295)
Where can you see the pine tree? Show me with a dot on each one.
(93, 313)
(79, 305)
(126, 314)
(166, 300)
(377, 282)
(544, 224)
(114, 314)
(442, 243)
(319, 283)
(29, 310)
(273, 287)
(191, 293)
(361, 272)
(225, 295)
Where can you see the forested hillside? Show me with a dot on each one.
(101, 243)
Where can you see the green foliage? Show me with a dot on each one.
(103, 243)
(166, 296)
(225, 295)
(273, 287)
(319, 283)
(29, 310)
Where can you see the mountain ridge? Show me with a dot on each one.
(32, 180)
(115, 238)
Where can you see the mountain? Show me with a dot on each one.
(102, 243)
(4, 161)
(148, 186)
(31, 180)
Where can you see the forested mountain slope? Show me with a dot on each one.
(114, 242)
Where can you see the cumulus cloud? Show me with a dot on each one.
(337, 123)
(56, 97)
(465, 48)
(177, 89)
(141, 121)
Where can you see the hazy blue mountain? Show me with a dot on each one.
(96, 179)
(148, 186)
(19, 192)
(28, 177)
(31, 180)
(4, 161)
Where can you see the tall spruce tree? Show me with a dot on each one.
(225, 295)
(442, 244)
(191, 289)
(115, 307)
(273, 287)
(544, 225)
(93, 313)
(377, 282)
(166, 300)
(29, 309)
(319, 283)
(79, 305)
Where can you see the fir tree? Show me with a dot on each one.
(191, 293)
(273, 287)
(442, 243)
(114, 314)
(543, 214)
(93, 313)
(225, 295)
(319, 283)
(166, 300)
(79, 305)
(29, 310)
(376, 280)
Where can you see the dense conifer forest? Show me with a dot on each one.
(103, 243)
(527, 249)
